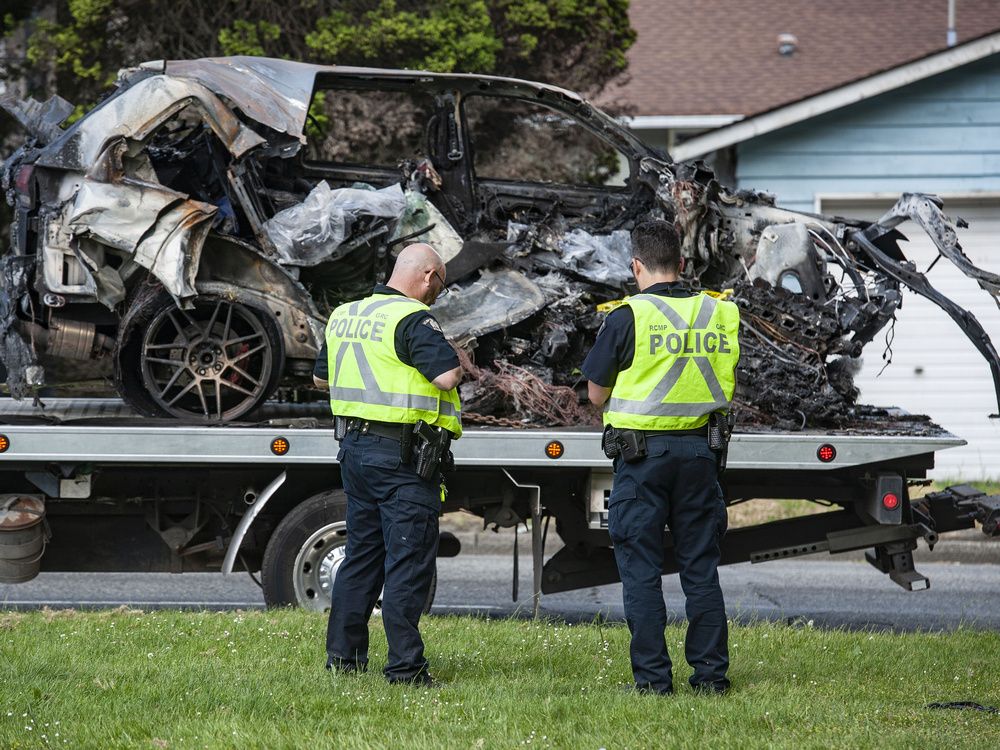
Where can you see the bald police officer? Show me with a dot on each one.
(389, 367)
(661, 364)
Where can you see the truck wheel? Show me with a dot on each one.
(212, 363)
(306, 550)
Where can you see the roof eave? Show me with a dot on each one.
(679, 122)
(842, 96)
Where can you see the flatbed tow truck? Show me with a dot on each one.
(119, 492)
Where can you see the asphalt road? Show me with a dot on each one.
(829, 593)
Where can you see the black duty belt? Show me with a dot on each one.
(391, 430)
(697, 432)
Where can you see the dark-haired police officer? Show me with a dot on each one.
(661, 364)
(389, 367)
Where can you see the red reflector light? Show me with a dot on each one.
(279, 446)
(4, 443)
(826, 453)
(22, 180)
(890, 500)
(554, 449)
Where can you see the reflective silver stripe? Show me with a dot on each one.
(705, 313)
(400, 400)
(376, 304)
(384, 398)
(339, 360)
(711, 380)
(653, 405)
(669, 381)
(373, 394)
(668, 312)
(365, 369)
(646, 409)
(373, 306)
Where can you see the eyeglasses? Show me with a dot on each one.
(444, 289)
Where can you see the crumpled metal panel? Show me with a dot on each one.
(136, 112)
(41, 119)
(925, 210)
(787, 257)
(17, 357)
(173, 251)
(163, 231)
(108, 282)
(275, 93)
(57, 260)
(496, 300)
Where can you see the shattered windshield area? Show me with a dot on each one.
(186, 241)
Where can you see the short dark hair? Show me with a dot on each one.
(657, 244)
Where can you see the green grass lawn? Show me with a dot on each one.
(256, 680)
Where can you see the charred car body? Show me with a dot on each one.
(196, 227)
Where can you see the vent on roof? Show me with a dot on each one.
(787, 44)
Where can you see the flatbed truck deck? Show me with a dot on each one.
(122, 493)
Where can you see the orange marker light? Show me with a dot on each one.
(280, 446)
(554, 449)
(4, 443)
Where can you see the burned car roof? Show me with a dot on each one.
(277, 92)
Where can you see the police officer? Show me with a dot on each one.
(388, 366)
(661, 364)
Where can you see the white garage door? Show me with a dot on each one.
(935, 369)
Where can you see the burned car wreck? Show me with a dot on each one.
(193, 231)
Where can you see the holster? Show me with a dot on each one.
(720, 430)
(629, 444)
(428, 450)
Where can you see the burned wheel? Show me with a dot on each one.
(213, 363)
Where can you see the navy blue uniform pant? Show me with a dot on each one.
(392, 540)
(675, 486)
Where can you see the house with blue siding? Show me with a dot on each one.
(931, 125)
(697, 66)
(940, 135)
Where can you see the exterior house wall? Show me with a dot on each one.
(941, 135)
(937, 136)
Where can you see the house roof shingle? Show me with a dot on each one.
(694, 57)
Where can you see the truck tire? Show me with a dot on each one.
(304, 552)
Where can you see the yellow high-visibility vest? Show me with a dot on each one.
(367, 379)
(684, 366)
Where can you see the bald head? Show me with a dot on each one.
(419, 272)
